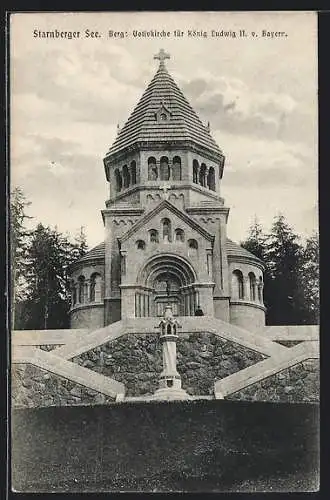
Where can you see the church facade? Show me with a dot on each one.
(166, 224)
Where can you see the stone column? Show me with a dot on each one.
(246, 288)
(86, 291)
(260, 287)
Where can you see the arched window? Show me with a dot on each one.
(95, 288)
(195, 171)
(202, 175)
(133, 172)
(176, 169)
(153, 236)
(164, 169)
(179, 235)
(81, 289)
(192, 247)
(167, 232)
(119, 181)
(252, 284)
(140, 245)
(237, 285)
(211, 179)
(126, 176)
(152, 169)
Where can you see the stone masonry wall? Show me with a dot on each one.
(247, 316)
(136, 361)
(34, 387)
(300, 383)
(87, 317)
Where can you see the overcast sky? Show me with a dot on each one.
(259, 94)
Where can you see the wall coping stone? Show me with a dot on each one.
(190, 324)
(68, 370)
(290, 332)
(47, 337)
(264, 369)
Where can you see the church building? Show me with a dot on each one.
(166, 224)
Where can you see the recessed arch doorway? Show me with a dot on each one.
(166, 279)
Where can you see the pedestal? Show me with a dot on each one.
(169, 380)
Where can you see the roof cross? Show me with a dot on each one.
(162, 55)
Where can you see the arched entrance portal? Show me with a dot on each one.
(167, 290)
(166, 279)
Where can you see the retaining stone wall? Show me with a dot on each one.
(34, 387)
(295, 384)
(136, 360)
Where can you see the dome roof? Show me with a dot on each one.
(95, 253)
(163, 99)
(235, 250)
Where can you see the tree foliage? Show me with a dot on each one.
(309, 277)
(291, 274)
(40, 260)
(48, 282)
(255, 243)
(19, 242)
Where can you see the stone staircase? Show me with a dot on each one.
(266, 368)
(71, 343)
(68, 370)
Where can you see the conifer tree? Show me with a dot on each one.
(19, 242)
(257, 243)
(80, 241)
(285, 294)
(309, 278)
(256, 240)
(48, 292)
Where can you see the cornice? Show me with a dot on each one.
(87, 261)
(112, 158)
(246, 259)
(207, 210)
(177, 185)
(92, 305)
(255, 305)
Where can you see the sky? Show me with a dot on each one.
(259, 94)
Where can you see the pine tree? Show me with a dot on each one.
(81, 242)
(49, 256)
(257, 243)
(19, 241)
(286, 304)
(256, 240)
(309, 278)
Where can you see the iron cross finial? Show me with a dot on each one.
(162, 55)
